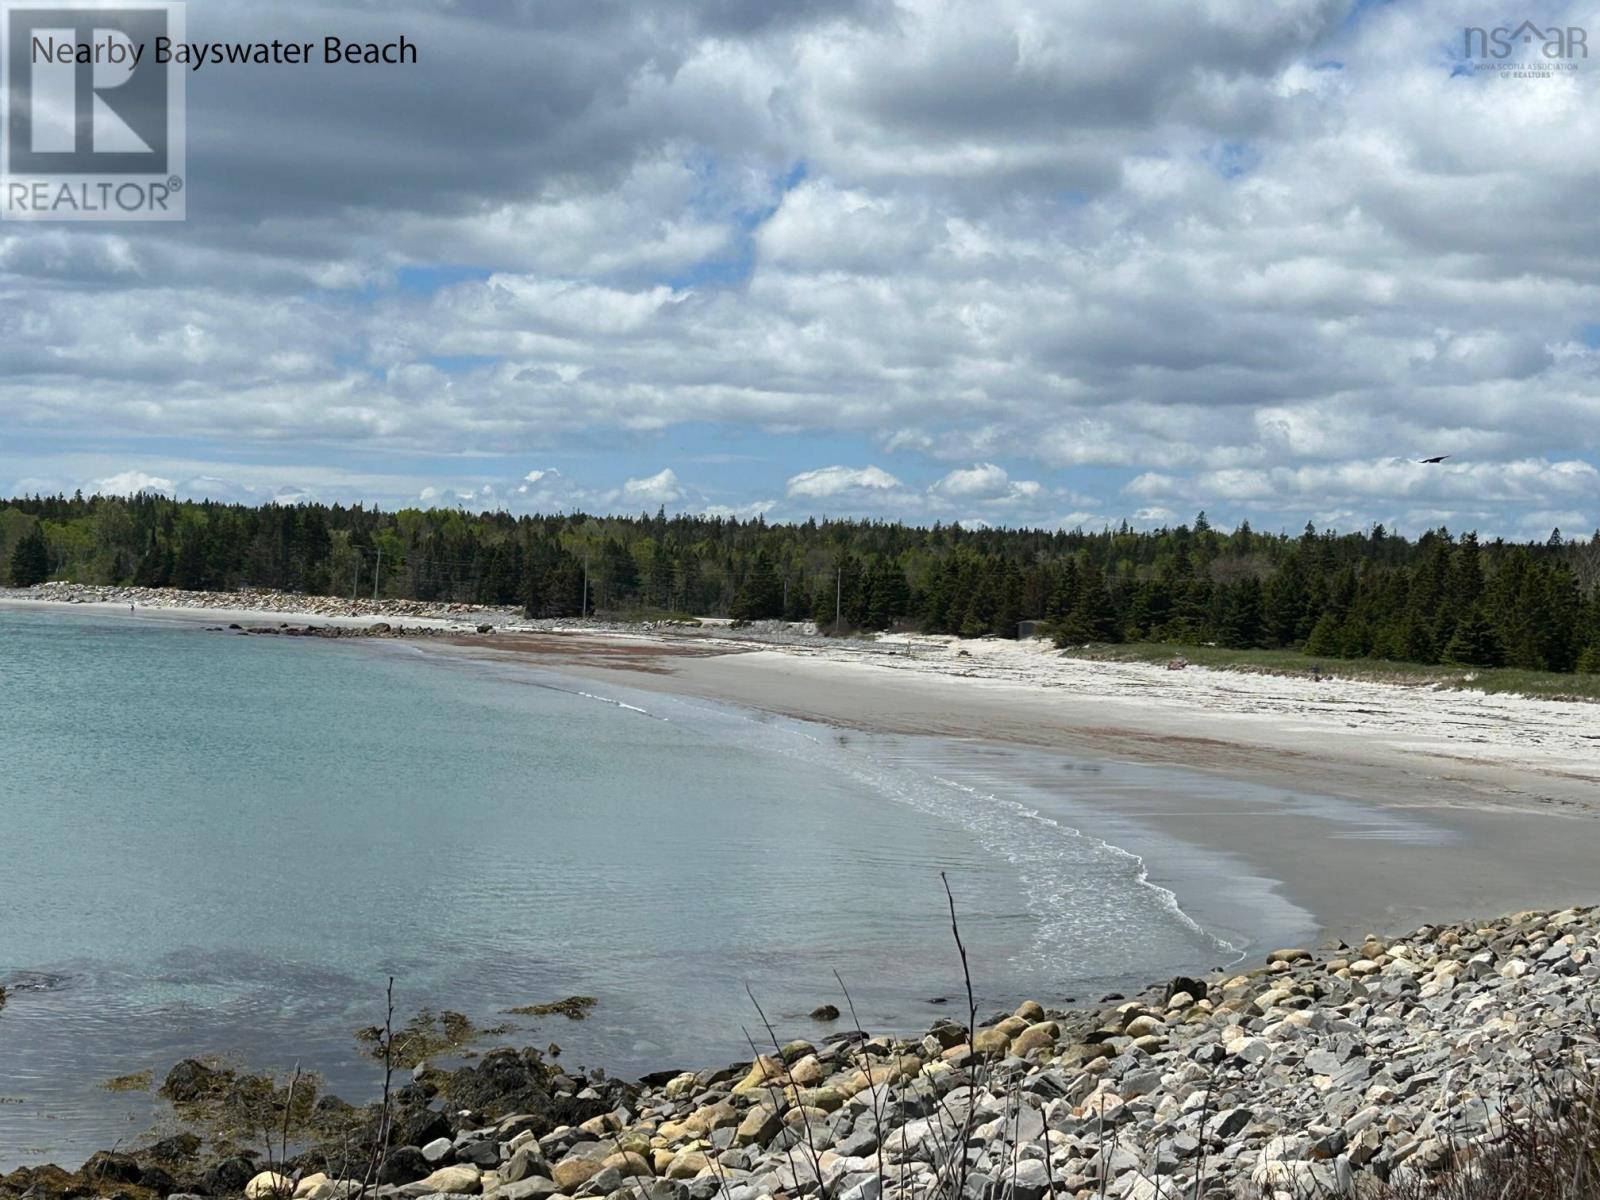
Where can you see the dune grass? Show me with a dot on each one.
(1547, 685)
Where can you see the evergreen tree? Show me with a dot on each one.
(1326, 638)
(30, 559)
(761, 597)
(1474, 643)
(1242, 620)
(1285, 603)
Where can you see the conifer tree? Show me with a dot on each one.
(761, 597)
(30, 559)
(1474, 643)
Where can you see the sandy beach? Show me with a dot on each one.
(1508, 787)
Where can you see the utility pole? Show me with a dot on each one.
(838, 599)
(585, 609)
(377, 574)
(356, 581)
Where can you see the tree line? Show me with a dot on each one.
(1441, 598)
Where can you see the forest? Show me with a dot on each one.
(1441, 598)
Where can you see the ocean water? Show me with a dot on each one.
(227, 845)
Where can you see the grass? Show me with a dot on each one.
(1546, 685)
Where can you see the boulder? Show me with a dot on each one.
(571, 1173)
(191, 1080)
(269, 1185)
(1044, 1033)
(403, 1164)
(686, 1165)
(461, 1180)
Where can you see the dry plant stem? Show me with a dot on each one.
(962, 1165)
(794, 1090)
(715, 1163)
(288, 1112)
(1200, 1136)
(380, 1145)
(1105, 1174)
(877, 1100)
(773, 1093)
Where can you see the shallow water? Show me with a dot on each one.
(220, 844)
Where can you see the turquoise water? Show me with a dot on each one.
(221, 844)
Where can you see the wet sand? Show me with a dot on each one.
(1489, 834)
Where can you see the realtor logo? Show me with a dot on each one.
(93, 126)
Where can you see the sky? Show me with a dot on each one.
(1014, 263)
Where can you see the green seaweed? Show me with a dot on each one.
(574, 1008)
(137, 1081)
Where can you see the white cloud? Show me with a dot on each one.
(1204, 255)
(660, 488)
(128, 483)
(826, 482)
(983, 480)
(741, 512)
(988, 483)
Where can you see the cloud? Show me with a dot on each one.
(129, 483)
(986, 482)
(1239, 255)
(660, 488)
(826, 482)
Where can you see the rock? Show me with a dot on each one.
(107, 1166)
(438, 1150)
(680, 1085)
(1028, 1180)
(535, 1188)
(629, 1164)
(825, 1012)
(807, 1071)
(269, 1185)
(758, 1127)
(1145, 1026)
(765, 1071)
(1229, 1122)
(191, 1080)
(570, 1173)
(686, 1165)
(403, 1164)
(991, 1043)
(1300, 1177)
(1034, 1037)
(526, 1162)
(1289, 956)
(180, 1147)
(228, 1176)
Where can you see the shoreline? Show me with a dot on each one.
(1474, 803)
(1310, 1072)
(1418, 830)
(1319, 818)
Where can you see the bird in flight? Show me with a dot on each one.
(1437, 458)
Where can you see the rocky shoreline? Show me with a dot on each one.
(264, 601)
(1324, 1073)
